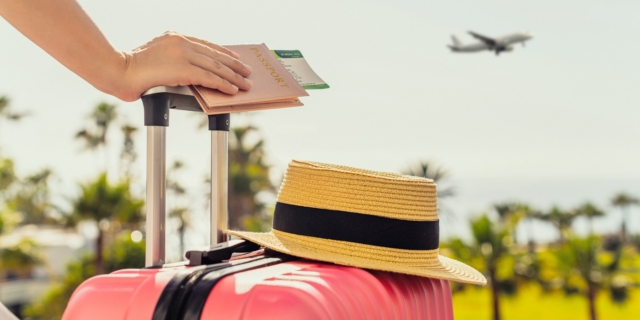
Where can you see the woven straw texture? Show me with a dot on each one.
(425, 263)
(389, 195)
(333, 187)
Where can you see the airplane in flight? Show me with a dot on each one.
(504, 43)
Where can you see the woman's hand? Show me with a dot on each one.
(176, 60)
(66, 32)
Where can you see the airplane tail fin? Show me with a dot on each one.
(456, 42)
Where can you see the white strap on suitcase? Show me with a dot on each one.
(157, 102)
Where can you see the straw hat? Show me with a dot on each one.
(361, 218)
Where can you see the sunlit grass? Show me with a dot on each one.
(531, 303)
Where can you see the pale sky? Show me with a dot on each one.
(566, 106)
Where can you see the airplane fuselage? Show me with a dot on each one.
(471, 47)
(504, 43)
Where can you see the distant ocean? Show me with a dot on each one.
(475, 196)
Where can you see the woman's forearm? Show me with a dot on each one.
(64, 30)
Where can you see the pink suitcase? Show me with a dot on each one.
(258, 285)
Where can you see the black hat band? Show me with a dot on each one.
(356, 227)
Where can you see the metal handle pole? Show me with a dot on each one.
(219, 126)
(156, 199)
(219, 186)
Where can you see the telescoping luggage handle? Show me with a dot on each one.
(157, 102)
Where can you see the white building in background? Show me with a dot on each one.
(57, 247)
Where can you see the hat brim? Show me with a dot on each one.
(362, 256)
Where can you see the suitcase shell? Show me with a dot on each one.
(299, 289)
(291, 290)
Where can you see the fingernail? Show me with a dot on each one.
(234, 88)
(248, 67)
(249, 82)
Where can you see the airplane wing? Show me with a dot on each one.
(489, 41)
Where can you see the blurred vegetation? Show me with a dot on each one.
(178, 204)
(6, 111)
(586, 267)
(123, 254)
(105, 204)
(18, 261)
(110, 204)
(248, 176)
(624, 202)
(594, 272)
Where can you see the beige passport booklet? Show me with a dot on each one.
(273, 86)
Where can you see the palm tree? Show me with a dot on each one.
(7, 173)
(590, 211)
(20, 258)
(33, 199)
(580, 261)
(8, 218)
(248, 175)
(95, 135)
(561, 219)
(511, 213)
(124, 253)
(128, 155)
(489, 249)
(624, 201)
(181, 213)
(426, 169)
(102, 203)
(6, 113)
(530, 214)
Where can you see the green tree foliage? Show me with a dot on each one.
(529, 215)
(8, 218)
(182, 217)
(7, 174)
(582, 267)
(248, 175)
(54, 301)
(7, 113)
(494, 241)
(179, 211)
(128, 154)
(491, 251)
(561, 219)
(94, 135)
(590, 211)
(20, 259)
(624, 201)
(32, 199)
(122, 255)
(103, 202)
